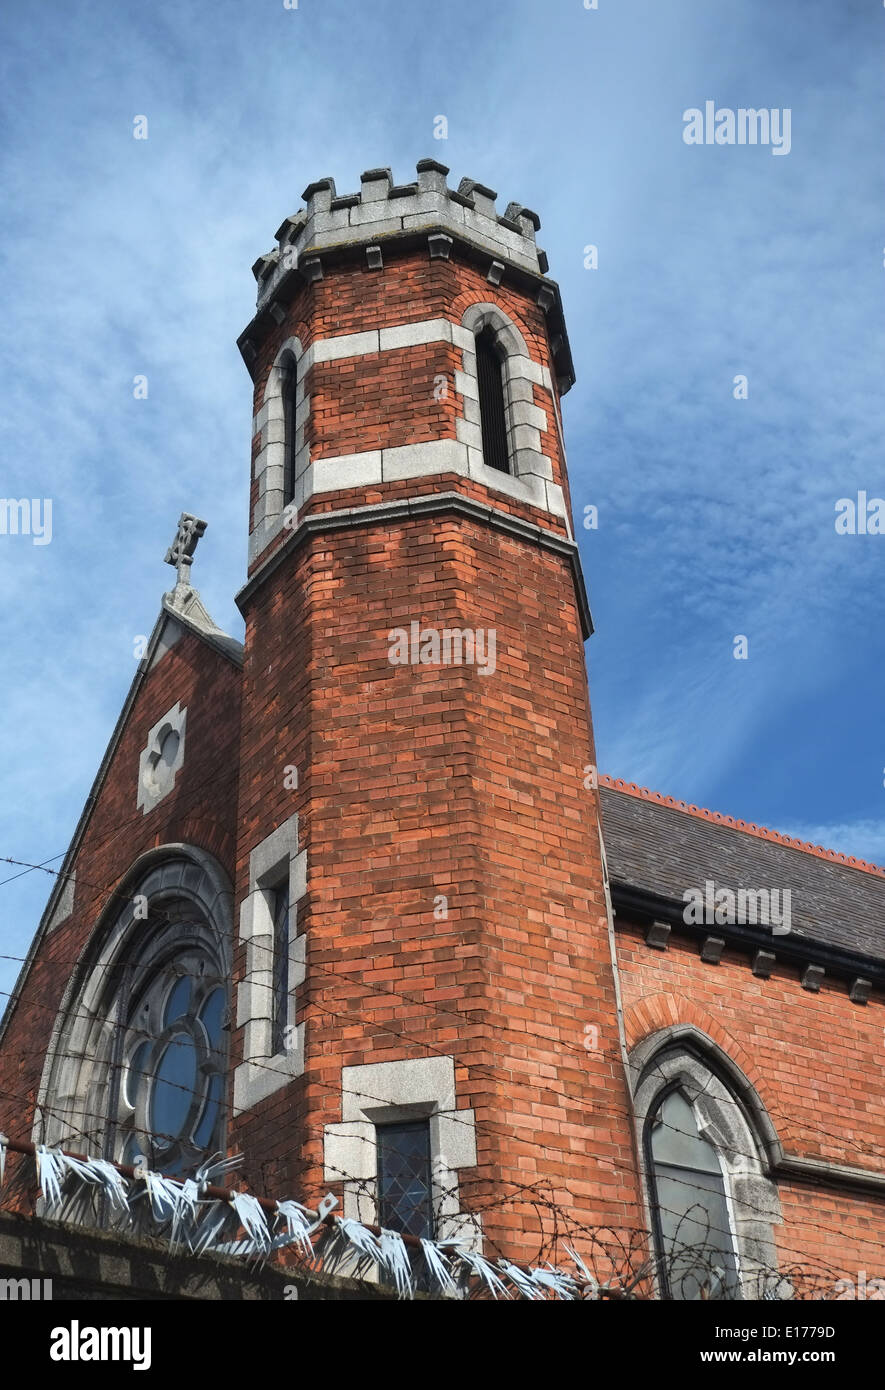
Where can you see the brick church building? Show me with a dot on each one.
(351, 900)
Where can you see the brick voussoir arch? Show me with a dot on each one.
(661, 1011)
(509, 306)
(206, 835)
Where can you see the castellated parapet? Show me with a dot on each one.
(383, 209)
(384, 217)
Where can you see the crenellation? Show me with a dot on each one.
(527, 219)
(432, 176)
(264, 265)
(383, 209)
(482, 199)
(290, 228)
(375, 185)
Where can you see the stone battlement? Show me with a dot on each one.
(383, 209)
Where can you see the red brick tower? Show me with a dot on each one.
(423, 952)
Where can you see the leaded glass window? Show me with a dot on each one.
(693, 1229)
(405, 1193)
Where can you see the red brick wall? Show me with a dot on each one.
(419, 781)
(381, 401)
(422, 781)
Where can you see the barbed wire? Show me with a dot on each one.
(622, 1263)
(411, 1041)
(612, 1164)
(461, 1188)
(843, 1139)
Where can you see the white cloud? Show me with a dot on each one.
(864, 839)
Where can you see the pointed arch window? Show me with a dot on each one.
(693, 1227)
(492, 407)
(708, 1150)
(282, 456)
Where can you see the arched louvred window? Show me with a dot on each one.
(693, 1228)
(288, 374)
(491, 402)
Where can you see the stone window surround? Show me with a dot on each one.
(531, 481)
(525, 422)
(732, 1118)
(150, 793)
(391, 1092)
(274, 861)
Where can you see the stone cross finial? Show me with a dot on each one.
(181, 551)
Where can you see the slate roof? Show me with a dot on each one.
(664, 847)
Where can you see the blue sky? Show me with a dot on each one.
(122, 257)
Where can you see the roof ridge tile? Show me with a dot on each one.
(761, 832)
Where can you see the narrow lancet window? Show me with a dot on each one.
(492, 413)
